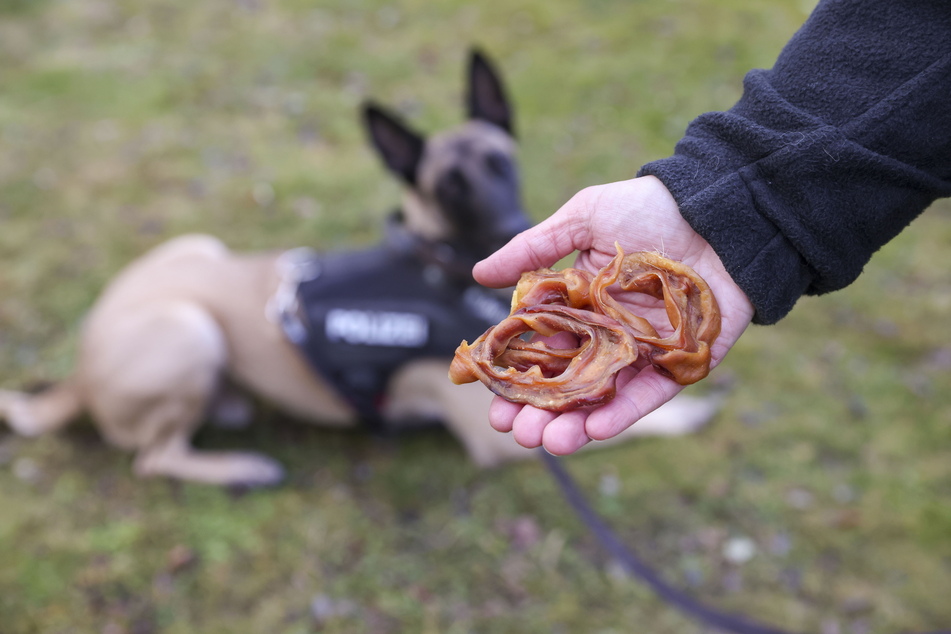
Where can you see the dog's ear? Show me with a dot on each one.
(486, 99)
(400, 147)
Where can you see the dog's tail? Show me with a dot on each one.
(45, 411)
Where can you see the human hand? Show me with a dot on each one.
(641, 215)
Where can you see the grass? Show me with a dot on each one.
(125, 122)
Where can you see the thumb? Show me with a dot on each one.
(541, 246)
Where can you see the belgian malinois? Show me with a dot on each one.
(190, 316)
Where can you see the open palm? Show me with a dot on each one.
(640, 215)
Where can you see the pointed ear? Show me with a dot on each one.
(486, 99)
(400, 147)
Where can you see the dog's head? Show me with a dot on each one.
(462, 185)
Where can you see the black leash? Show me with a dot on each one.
(725, 621)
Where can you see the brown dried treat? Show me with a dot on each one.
(684, 356)
(605, 337)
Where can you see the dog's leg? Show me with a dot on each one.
(469, 420)
(151, 373)
(43, 412)
(422, 390)
(175, 457)
(683, 415)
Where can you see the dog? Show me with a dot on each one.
(191, 317)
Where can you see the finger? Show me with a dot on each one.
(502, 414)
(541, 246)
(638, 394)
(529, 426)
(566, 434)
(536, 248)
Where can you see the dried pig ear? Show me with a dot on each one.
(691, 307)
(609, 337)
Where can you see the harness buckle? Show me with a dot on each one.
(293, 267)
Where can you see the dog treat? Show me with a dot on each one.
(602, 336)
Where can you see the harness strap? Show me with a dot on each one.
(294, 267)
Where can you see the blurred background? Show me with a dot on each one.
(818, 499)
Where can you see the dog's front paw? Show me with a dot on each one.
(232, 468)
(251, 470)
(13, 408)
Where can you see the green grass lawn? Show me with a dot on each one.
(125, 122)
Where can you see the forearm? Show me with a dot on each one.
(827, 156)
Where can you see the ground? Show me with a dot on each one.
(818, 500)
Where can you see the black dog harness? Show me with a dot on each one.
(359, 316)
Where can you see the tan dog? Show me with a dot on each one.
(181, 320)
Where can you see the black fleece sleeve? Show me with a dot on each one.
(827, 156)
